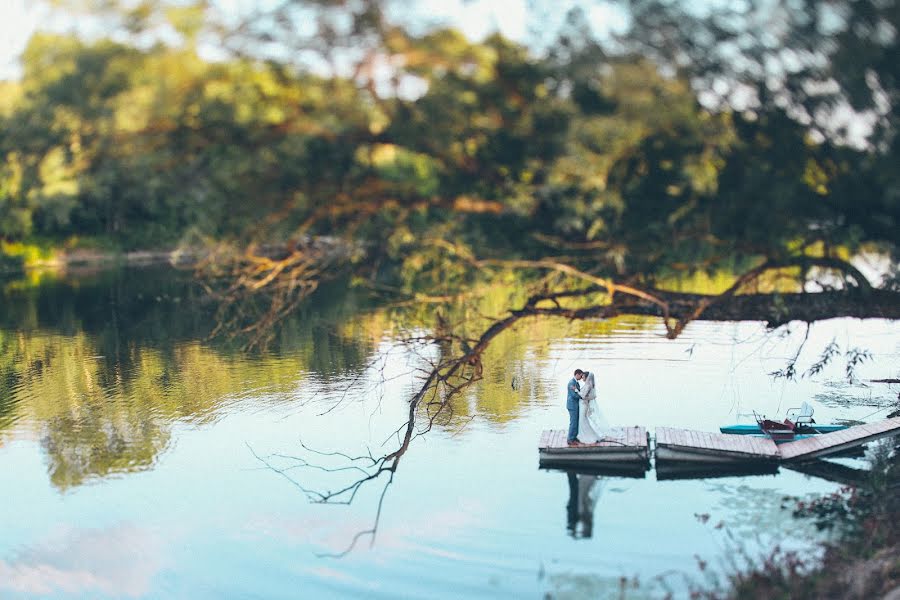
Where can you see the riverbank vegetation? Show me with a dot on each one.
(434, 152)
(862, 559)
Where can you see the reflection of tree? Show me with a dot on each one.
(103, 395)
(95, 421)
(98, 442)
(8, 383)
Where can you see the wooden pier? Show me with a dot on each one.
(630, 445)
(685, 445)
(622, 445)
(838, 441)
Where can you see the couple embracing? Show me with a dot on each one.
(586, 423)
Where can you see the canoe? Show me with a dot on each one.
(780, 438)
(754, 429)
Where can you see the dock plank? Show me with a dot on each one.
(627, 443)
(829, 443)
(689, 445)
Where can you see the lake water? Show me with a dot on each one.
(133, 451)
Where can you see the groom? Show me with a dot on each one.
(572, 400)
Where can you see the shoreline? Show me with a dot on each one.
(33, 258)
(79, 260)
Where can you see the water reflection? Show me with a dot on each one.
(679, 470)
(585, 488)
(105, 382)
(584, 493)
(101, 368)
(118, 561)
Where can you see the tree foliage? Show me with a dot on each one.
(634, 157)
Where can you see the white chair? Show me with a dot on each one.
(802, 415)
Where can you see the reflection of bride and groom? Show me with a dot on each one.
(586, 422)
(584, 493)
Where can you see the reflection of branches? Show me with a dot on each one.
(335, 497)
(371, 531)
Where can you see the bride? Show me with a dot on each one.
(591, 424)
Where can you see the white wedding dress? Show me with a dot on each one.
(591, 424)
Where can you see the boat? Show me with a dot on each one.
(755, 429)
(782, 436)
(799, 421)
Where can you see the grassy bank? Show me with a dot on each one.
(38, 254)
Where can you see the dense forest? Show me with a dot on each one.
(691, 142)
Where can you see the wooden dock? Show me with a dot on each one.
(619, 445)
(838, 441)
(630, 445)
(685, 445)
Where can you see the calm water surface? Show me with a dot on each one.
(129, 445)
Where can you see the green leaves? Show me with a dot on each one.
(407, 137)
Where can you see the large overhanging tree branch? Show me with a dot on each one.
(274, 281)
(768, 307)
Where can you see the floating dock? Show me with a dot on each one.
(833, 443)
(685, 445)
(620, 445)
(625, 447)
